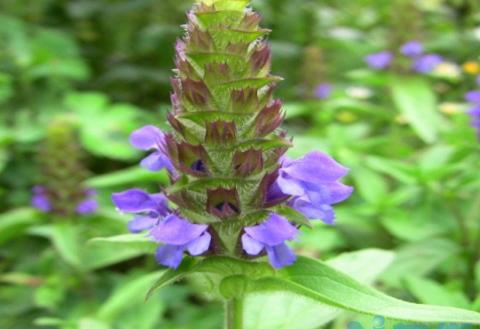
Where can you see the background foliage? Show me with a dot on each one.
(106, 65)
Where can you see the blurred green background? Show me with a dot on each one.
(103, 67)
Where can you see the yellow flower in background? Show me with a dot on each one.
(448, 70)
(471, 67)
(450, 108)
(346, 117)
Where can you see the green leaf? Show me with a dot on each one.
(420, 258)
(430, 292)
(102, 252)
(65, 238)
(416, 100)
(126, 295)
(282, 310)
(126, 176)
(370, 184)
(172, 275)
(15, 222)
(319, 282)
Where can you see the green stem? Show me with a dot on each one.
(234, 314)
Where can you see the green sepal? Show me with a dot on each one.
(293, 215)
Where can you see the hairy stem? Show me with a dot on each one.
(234, 314)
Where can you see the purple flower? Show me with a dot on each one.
(271, 236)
(40, 199)
(43, 202)
(89, 205)
(380, 60)
(152, 138)
(323, 91)
(312, 181)
(475, 118)
(426, 63)
(150, 208)
(412, 48)
(473, 96)
(179, 235)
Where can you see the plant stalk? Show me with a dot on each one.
(234, 313)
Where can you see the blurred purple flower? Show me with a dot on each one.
(412, 48)
(323, 91)
(312, 181)
(150, 208)
(271, 236)
(151, 138)
(426, 63)
(380, 60)
(40, 199)
(473, 96)
(474, 112)
(179, 235)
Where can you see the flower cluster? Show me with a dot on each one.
(61, 190)
(412, 50)
(225, 156)
(473, 97)
(42, 200)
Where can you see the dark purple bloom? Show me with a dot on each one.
(426, 63)
(473, 96)
(271, 236)
(179, 235)
(323, 91)
(312, 181)
(150, 208)
(40, 199)
(380, 60)
(152, 138)
(412, 48)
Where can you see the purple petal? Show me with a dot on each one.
(427, 63)
(328, 193)
(161, 204)
(274, 193)
(380, 60)
(142, 223)
(90, 192)
(323, 91)
(473, 96)
(273, 231)
(412, 48)
(251, 246)
(177, 231)
(323, 212)
(316, 168)
(280, 255)
(146, 138)
(156, 161)
(134, 200)
(41, 202)
(87, 206)
(289, 185)
(170, 256)
(200, 244)
(474, 111)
